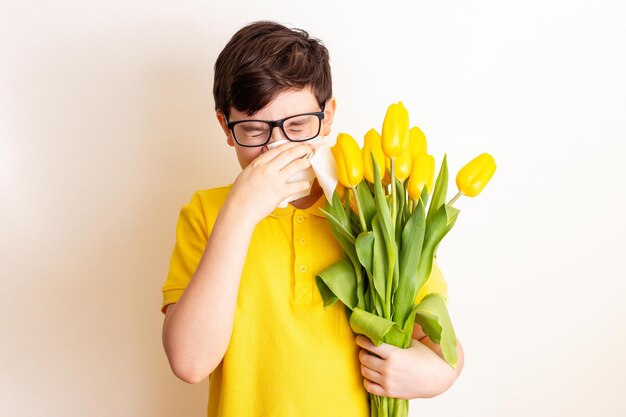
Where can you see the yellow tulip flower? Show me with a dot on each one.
(473, 177)
(372, 145)
(386, 178)
(341, 191)
(402, 166)
(395, 133)
(417, 141)
(349, 161)
(422, 175)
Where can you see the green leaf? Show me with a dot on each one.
(339, 224)
(365, 250)
(410, 254)
(338, 281)
(327, 294)
(376, 328)
(441, 189)
(338, 210)
(367, 301)
(382, 206)
(380, 261)
(337, 227)
(424, 197)
(451, 216)
(386, 223)
(343, 237)
(367, 202)
(432, 314)
(337, 219)
(378, 302)
(398, 337)
(440, 224)
(355, 224)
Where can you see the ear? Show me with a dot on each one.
(329, 114)
(229, 136)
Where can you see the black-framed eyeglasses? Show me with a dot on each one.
(297, 128)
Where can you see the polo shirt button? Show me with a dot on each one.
(302, 268)
(300, 219)
(302, 241)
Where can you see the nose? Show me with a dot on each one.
(276, 134)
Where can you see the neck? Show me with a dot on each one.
(309, 200)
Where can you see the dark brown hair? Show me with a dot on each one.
(264, 59)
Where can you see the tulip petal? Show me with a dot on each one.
(417, 141)
(474, 176)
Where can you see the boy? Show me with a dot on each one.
(240, 299)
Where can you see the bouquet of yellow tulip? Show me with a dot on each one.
(380, 216)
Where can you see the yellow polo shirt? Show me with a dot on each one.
(287, 355)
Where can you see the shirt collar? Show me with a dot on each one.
(314, 209)
(288, 211)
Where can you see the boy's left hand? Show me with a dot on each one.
(415, 372)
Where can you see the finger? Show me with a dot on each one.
(287, 155)
(295, 188)
(373, 362)
(271, 153)
(373, 388)
(384, 350)
(295, 166)
(372, 375)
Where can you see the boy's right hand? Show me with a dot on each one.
(263, 184)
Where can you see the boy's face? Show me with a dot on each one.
(287, 103)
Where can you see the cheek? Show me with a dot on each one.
(247, 155)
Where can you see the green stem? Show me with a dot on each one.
(388, 407)
(456, 197)
(358, 209)
(393, 192)
(387, 307)
(375, 405)
(407, 201)
(347, 204)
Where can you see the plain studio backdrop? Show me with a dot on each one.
(107, 127)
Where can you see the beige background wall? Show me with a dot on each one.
(107, 128)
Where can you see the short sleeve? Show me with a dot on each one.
(434, 284)
(191, 240)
